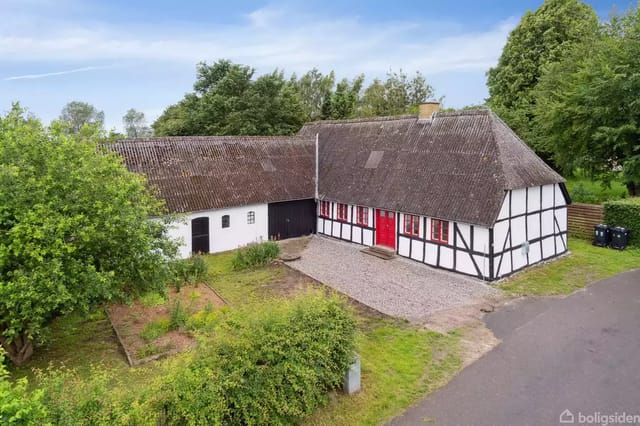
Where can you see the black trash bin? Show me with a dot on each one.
(601, 235)
(619, 238)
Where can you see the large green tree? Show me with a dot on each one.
(542, 37)
(135, 124)
(587, 110)
(79, 114)
(227, 101)
(75, 230)
(396, 95)
(315, 89)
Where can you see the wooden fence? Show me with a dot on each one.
(582, 218)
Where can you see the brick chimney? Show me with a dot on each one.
(427, 109)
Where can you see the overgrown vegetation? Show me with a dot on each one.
(192, 270)
(585, 265)
(271, 365)
(258, 254)
(625, 213)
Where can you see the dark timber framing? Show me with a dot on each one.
(461, 253)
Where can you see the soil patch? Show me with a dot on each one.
(144, 329)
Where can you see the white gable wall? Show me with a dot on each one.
(531, 227)
(238, 234)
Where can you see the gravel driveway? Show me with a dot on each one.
(398, 287)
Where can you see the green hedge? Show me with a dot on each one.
(271, 367)
(625, 213)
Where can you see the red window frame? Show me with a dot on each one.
(362, 216)
(342, 212)
(325, 209)
(412, 225)
(440, 231)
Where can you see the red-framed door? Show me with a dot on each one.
(386, 228)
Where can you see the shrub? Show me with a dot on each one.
(17, 405)
(272, 365)
(179, 316)
(257, 254)
(192, 270)
(625, 213)
(152, 299)
(71, 399)
(155, 329)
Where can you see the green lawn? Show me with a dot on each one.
(585, 190)
(585, 265)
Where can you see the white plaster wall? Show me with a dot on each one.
(403, 246)
(480, 239)
(446, 257)
(238, 234)
(518, 201)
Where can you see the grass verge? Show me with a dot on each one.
(585, 265)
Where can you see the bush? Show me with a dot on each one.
(192, 270)
(155, 329)
(71, 399)
(178, 316)
(17, 405)
(152, 299)
(625, 213)
(264, 366)
(257, 254)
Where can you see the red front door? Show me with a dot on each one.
(386, 228)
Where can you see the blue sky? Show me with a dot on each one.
(121, 54)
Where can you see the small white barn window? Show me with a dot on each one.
(251, 217)
(226, 222)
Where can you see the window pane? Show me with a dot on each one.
(435, 229)
(445, 231)
(225, 221)
(251, 217)
(390, 215)
(416, 225)
(383, 213)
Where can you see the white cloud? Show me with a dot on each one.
(53, 74)
(268, 38)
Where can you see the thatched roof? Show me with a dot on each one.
(456, 166)
(211, 172)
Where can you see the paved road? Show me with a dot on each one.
(398, 287)
(581, 353)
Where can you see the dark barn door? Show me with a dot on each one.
(292, 219)
(200, 235)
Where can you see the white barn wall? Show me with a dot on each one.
(536, 216)
(238, 234)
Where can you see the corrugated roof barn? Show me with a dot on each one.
(209, 172)
(455, 166)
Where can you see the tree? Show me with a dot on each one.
(79, 114)
(396, 95)
(75, 230)
(587, 112)
(542, 38)
(135, 124)
(315, 88)
(227, 101)
(343, 103)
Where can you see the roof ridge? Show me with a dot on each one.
(462, 113)
(365, 119)
(221, 138)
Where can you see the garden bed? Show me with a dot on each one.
(154, 327)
